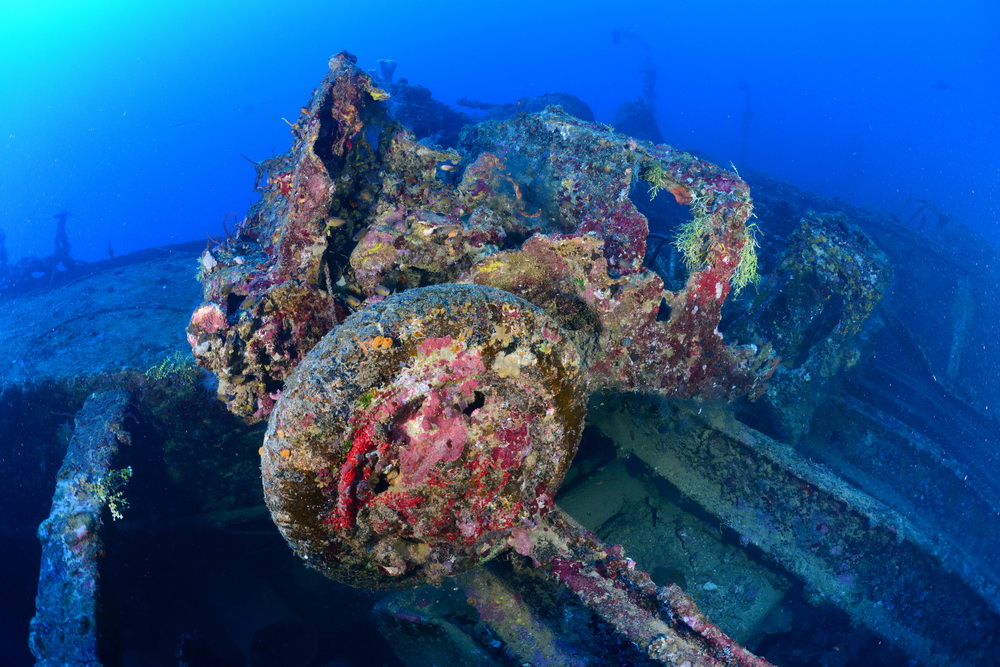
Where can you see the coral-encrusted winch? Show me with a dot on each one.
(493, 290)
(423, 434)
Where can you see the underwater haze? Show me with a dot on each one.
(387, 334)
(135, 117)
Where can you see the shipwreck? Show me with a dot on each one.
(544, 394)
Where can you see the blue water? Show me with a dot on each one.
(134, 116)
(141, 121)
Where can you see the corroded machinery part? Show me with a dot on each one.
(269, 284)
(359, 209)
(816, 310)
(423, 435)
(641, 337)
(664, 622)
(616, 323)
(502, 615)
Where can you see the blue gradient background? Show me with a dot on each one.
(134, 117)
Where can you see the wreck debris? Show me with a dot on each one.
(518, 625)
(830, 277)
(849, 549)
(454, 412)
(815, 310)
(431, 429)
(32, 272)
(612, 493)
(502, 613)
(572, 104)
(386, 68)
(920, 479)
(423, 629)
(64, 628)
(582, 175)
(273, 282)
(850, 433)
(624, 596)
(358, 209)
(919, 212)
(615, 324)
(432, 122)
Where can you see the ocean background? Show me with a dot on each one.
(135, 117)
(141, 121)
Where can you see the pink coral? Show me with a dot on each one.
(209, 318)
(440, 435)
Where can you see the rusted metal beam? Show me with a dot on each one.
(848, 548)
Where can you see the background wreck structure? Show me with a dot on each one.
(791, 486)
